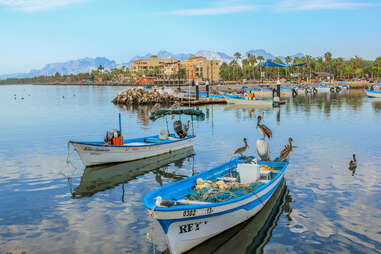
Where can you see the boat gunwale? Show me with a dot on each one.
(370, 91)
(93, 143)
(149, 196)
(244, 98)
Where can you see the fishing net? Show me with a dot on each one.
(213, 195)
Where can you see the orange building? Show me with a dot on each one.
(200, 68)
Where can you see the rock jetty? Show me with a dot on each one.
(139, 96)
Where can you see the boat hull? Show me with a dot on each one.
(257, 102)
(264, 94)
(91, 154)
(323, 89)
(373, 94)
(184, 233)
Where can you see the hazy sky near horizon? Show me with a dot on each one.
(36, 32)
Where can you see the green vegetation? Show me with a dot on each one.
(318, 68)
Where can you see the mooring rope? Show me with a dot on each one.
(150, 234)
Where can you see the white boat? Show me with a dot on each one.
(187, 224)
(373, 94)
(97, 152)
(323, 88)
(245, 101)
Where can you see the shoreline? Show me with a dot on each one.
(229, 84)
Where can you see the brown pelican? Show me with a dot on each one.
(186, 127)
(156, 107)
(286, 150)
(175, 105)
(242, 149)
(353, 163)
(263, 129)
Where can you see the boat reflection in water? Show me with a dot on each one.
(99, 178)
(252, 235)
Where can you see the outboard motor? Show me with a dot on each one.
(179, 129)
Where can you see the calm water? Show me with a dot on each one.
(48, 207)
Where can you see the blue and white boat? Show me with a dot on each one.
(374, 91)
(322, 88)
(97, 152)
(244, 100)
(187, 223)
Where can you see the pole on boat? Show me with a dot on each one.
(120, 124)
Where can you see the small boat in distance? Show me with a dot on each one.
(374, 91)
(188, 222)
(241, 100)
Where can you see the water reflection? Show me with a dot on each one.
(100, 178)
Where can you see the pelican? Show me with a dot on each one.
(286, 150)
(263, 129)
(242, 149)
(186, 127)
(156, 107)
(353, 163)
(175, 105)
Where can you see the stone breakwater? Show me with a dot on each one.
(139, 96)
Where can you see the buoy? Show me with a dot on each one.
(263, 149)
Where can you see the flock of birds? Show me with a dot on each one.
(267, 133)
(288, 148)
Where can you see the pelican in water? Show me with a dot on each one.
(286, 150)
(263, 129)
(242, 149)
(353, 163)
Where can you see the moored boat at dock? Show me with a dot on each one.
(374, 91)
(241, 100)
(189, 222)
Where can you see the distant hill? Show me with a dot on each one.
(86, 65)
(83, 65)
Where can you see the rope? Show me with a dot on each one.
(150, 234)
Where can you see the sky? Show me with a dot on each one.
(37, 32)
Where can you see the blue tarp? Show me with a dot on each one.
(272, 64)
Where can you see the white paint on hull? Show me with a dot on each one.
(204, 228)
(266, 103)
(92, 155)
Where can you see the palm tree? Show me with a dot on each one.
(252, 61)
(288, 60)
(260, 59)
(237, 56)
(328, 59)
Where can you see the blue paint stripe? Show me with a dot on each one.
(165, 224)
(101, 144)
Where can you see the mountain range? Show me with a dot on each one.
(85, 65)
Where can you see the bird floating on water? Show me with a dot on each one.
(243, 148)
(286, 150)
(353, 164)
(263, 129)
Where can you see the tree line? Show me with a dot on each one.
(251, 68)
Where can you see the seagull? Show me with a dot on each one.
(263, 129)
(353, 163)
(243, 148)
(160, 202)
(286, 150)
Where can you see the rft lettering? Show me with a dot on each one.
(190, 227)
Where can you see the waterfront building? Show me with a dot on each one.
(200, 68)
(153, 66)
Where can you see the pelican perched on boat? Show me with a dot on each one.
(242, 149)
(186, 126)
(353, 163)
(263, 129)
(286, 150)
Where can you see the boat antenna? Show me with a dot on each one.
(120, 124)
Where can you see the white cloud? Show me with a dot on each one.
(310, 5)
(36, 5)
(214, 11)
